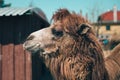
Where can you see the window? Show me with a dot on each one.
(102, 36)
(108, 27)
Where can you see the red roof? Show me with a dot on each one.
(108, 16)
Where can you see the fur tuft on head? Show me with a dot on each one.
(60, 14)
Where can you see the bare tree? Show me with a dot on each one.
(94, 13)
(2, 4)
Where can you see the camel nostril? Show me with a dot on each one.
(30, 37)
(25, 44)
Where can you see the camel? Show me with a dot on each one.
(70, 49)
(113, 41)
(112, 63)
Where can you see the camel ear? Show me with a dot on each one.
(83, 29)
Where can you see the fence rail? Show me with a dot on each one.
(15, 63)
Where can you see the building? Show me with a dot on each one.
(15, 25)
(108, 23)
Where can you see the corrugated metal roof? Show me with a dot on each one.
(13, 11)
(9, 11)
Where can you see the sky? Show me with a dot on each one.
(91, 8)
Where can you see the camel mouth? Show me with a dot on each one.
(32, 47)
(38, 47)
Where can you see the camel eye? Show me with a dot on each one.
(57, 33)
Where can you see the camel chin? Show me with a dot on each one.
(50, 50)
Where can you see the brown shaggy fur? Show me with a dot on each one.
(82, 56)
(112, 63)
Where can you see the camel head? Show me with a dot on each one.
(48, 40)
(62, 34)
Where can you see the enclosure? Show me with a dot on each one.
(15, 25)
